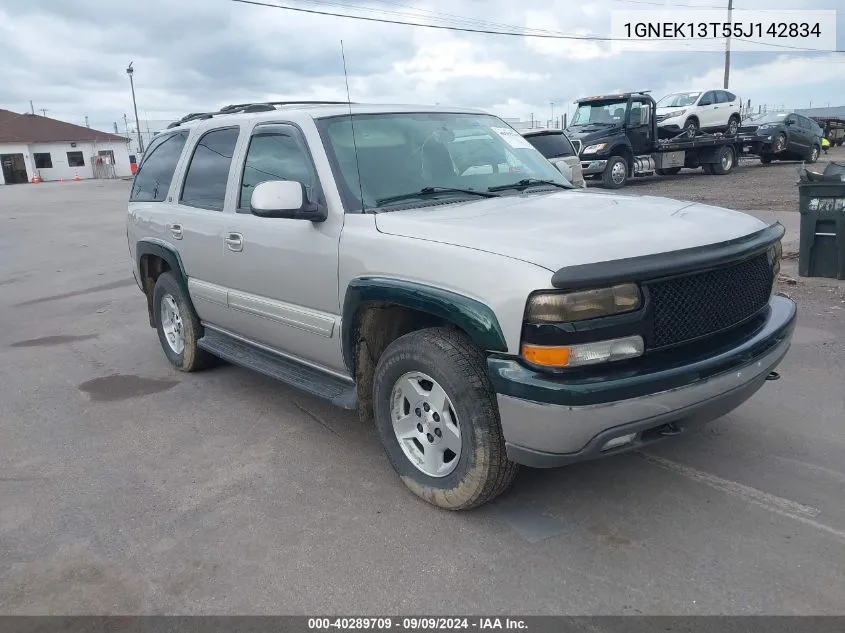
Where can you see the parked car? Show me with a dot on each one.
(783, 136)
(560, 151)
(483, 319)
(703, 110)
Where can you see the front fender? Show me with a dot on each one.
(473, 317)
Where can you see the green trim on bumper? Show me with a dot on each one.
(648, 375)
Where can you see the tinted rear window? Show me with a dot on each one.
(552, 145)
(156, 171)
(208, 173)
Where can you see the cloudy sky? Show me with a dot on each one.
(190, 55)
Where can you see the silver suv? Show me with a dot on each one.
(428, 268)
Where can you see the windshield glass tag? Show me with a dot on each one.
(512, 137)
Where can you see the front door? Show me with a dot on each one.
(796, 135)
(707, 111)
(638, 127)
(14, 169)
(282, 273)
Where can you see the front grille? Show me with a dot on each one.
(692, 306)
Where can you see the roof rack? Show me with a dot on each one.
(242, 108)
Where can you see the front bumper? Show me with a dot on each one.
(589, 167)
(549, 421)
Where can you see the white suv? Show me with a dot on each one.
(708, 110)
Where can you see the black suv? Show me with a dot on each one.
(783, 136)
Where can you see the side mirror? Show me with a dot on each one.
(284, 199)
(789, 122)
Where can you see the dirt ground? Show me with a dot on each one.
(751, 186)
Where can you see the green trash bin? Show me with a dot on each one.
(822, 245)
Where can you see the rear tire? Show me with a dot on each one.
(733, 125)
(615, 174)
(178, 326)
(726, 161)
(436, 379)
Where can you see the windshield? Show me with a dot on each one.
(768, 117)
(678, 100)
(552, 144)
(599, 112)
(399, 154)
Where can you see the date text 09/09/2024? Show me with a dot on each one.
(415, 624)
(701, 30)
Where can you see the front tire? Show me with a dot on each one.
(814, 154)
(766, 159)
(615, 173)
(726, 161)
(691, 127)
(178, 326)
(437, 418)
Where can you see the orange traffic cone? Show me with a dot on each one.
(76, 175)
(61, 178)
(36, 179)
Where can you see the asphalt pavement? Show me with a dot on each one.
(127, 487)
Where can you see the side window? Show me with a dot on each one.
(275, 153)
(731, 97)
(707, 99)
(156, 170)
(639, 114)
(791, 119)
(721, 96)
(208, 171)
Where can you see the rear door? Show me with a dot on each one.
(200, 220)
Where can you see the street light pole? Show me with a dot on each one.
(728, 46)
(130, 71)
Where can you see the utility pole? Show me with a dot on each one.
(130, 72)
(31, 107)
(553, 111)
(728, 47)
(86, 121)
(43, 112)
(115, 128)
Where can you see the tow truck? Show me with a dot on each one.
(617, 138)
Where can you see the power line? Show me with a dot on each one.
(544, 35)
(442, 27)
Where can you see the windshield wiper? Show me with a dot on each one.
(528, 182)
(429, 191)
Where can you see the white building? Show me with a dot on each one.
(33, 145)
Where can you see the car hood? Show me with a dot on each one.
(572, 227)
(588, 134)
(662, 111)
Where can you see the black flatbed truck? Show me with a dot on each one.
(628, 144)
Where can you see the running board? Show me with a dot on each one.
(313, 381)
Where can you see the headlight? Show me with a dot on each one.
(675, 113)
(765, 129)
(594, 149)
(547, 307)
(583, 354)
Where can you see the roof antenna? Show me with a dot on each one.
(352, 124)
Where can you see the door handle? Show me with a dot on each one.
(234, 242)
(175, 230)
